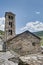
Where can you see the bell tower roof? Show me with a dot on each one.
(7, 13)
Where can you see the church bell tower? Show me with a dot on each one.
(9, 25)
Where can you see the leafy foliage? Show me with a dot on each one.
(1, 32)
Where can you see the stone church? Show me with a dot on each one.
(23, 43)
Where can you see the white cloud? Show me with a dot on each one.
(37, 12)
(33, 26)
(2, 23)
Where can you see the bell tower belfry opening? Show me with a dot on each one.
(9, 25)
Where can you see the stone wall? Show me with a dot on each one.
(24, 44)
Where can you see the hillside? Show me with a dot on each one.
(40, 34)
(1, 32)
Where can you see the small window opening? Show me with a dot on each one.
(33, 43)
(10, 23)
(10, 32)
(10, 17)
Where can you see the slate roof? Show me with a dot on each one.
(27, 32)
(8, 13)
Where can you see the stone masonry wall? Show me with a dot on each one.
(23, 44)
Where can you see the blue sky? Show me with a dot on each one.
(29, 14)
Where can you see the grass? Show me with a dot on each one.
(1, 32)
(41, 40)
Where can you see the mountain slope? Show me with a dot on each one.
(39, 33)
(1, 32)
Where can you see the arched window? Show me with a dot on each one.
(10, 23)
(10, 32)
(10, 17)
